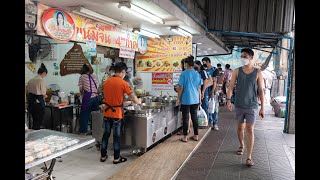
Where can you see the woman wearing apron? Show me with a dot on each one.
(36, 90)
(89, 91)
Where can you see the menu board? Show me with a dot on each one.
(73, 61)
(164, 54)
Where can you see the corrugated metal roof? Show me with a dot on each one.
(257, 16)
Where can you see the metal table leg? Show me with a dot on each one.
(51, 117)
(60, 120)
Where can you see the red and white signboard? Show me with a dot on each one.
(58, 24)
(162, 82)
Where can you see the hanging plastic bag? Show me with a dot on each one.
(212, 105)
(202, 117)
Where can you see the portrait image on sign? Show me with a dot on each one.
(58, 24)
(142, 44)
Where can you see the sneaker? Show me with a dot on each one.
(215, 127)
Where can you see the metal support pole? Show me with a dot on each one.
(285, 130)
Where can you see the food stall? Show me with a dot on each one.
(44, 145)
(145, 125)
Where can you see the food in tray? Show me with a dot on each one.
(72, 142)
(158, 63)
(175, 64)
(45, 146)
(140, 63)
(149, 63)
(27, 153)
(40, 147)
(28, 159)
(44, 153)
(166, 63)
(29, 144)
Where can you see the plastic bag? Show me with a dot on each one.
(212, 105)
(202, 117)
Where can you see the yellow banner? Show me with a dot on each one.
(164, 54)
(88, 29)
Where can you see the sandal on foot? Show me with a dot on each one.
(181, 139)
(121, 160)
(249, 162)
(193, 138)
(103, 159)
(240, 151)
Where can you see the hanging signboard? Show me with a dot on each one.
(126, 53)
(89, 29)
(176, 77)
(73, 61)
(58, 24)
(162, 82)
(91, 48)
(164, 54)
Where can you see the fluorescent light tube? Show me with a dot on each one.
(146, 13)
(139, 12)
(145, 33)
(180, 31)
(91, 14)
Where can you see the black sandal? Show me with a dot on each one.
(249, 162)
(240, 150)
(121, 160)
(103, 159)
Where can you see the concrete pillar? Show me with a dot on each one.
(291, 113)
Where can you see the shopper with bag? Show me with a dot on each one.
(206, 83)
(189, 96)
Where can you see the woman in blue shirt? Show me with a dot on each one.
(189, 96)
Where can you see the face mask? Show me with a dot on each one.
(245, 61)
(205, 65)
(196, 68)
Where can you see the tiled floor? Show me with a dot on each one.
(84, 164)
(216, 159)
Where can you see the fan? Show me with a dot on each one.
(39, 48)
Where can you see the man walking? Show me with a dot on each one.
(213, 72)
(249, 84)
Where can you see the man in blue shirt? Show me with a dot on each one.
(204, 76)
(189, 96)
(210, 92)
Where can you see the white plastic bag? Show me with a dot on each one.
(212, 105)
(202, 117)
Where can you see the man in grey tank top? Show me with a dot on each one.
(249, 87)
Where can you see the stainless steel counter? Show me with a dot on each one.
(145, 130)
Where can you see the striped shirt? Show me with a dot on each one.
(85, 84)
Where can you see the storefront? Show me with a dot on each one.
(64, 41)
